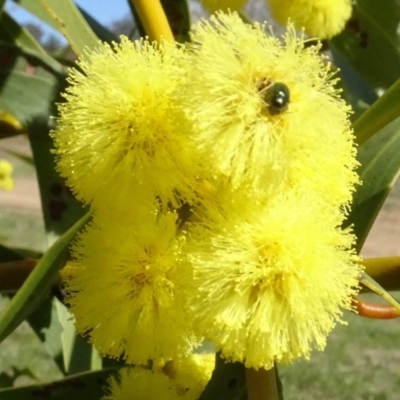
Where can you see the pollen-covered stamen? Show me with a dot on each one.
(151, 272)
(271, 275)
(275, 95)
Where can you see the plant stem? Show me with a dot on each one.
(385, 110)
(374, 286)
(384, 270)
(154, 20)
(261, 384)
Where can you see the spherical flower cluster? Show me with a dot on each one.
(239, 133)
(131, 265)
(321, 19)
(219, 173)
(185, 380)
(6, 180)
(140, 384)
(270, 286)
(191, 374)
(121, 127)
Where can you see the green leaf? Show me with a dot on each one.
(44, 322)
(60, 207)
(14, 34)
(371, 42)
(356, 91)
(36, 287)
(100, 31)
(79, 355)
(380, 167)
(26, 77)
(374, 286)
(72, 24)
(37, 9)
(228, 382)
(385, 110)
(178, 15)
(86, 386)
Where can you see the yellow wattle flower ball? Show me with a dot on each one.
(191, 374)
(183, 379)
(121, 285)
(267, 113)
(269, 283)
(121, 125)
(6, 180)
(140, 384)
(320, 19)
(224, 5)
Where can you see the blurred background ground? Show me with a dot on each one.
(361, 361)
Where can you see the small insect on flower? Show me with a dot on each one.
(277, 97)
